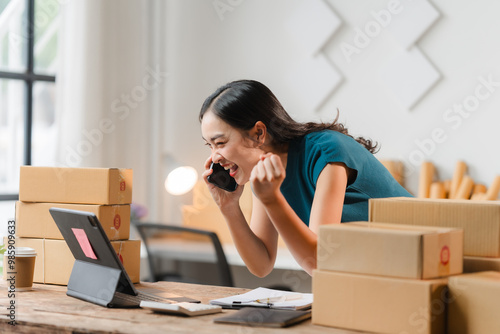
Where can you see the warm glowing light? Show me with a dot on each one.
(181, 180)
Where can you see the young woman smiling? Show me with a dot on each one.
(302, 175)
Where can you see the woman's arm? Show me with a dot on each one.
(256, 245)
(329, 196)
(327, 206)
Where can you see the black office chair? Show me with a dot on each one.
(147, 231)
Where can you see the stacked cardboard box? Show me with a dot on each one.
(474, 302)
(479, 219)
(107, 192)
(205, 214)
(385, 278)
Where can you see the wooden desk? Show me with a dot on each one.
(47, 309)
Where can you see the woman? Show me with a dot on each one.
(302, 174)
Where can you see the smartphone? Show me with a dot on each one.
(221, 178)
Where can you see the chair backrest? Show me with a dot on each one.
(148, 230)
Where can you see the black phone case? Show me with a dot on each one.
(221, 178)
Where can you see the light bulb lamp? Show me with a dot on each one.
(181, 180)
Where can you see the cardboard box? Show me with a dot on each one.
(33, 220)
(480, 220)
(474, 303)
(419, 252)
(205, 214)
(75, 185)
(474, 264)
(54, 260)
(203, 199)
(379, 304)
(211, 219)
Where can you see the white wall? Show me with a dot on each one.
(252, 41)
(111, 86)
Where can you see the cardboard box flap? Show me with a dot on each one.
(404, 228)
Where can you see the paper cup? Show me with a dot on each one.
(24, 268)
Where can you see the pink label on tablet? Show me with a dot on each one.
(84, 242)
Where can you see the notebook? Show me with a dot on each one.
(98, 275)
(259, 317)
(267, 298)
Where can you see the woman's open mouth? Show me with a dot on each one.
(232, 168)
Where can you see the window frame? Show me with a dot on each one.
(30, 78)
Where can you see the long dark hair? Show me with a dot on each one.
(244, 102)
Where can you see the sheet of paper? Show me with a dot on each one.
(248, 299)
(84, 242)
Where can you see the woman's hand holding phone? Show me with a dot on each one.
(221, 178)
(222, 186)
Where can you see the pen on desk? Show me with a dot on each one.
(270, 300)
(278, 299)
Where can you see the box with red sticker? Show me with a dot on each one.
(480, 220)
(33, 220)
(54, 260)
(76, 185)
(418, 252)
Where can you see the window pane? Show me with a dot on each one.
(13, 35)
(7, 212)
(44, 135)
(46, 27)
(11, 134)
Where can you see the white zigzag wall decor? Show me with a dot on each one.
(409, 75)
(311, 26)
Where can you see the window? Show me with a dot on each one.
(28, 49)
(28, 58)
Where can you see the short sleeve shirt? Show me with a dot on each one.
(307, 156)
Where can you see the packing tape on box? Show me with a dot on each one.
(117, 222)
(120, 252)
(445, 254)
(43, 261)
(121, 192)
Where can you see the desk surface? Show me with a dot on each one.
(47, 309)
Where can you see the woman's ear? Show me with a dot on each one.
(259, 133)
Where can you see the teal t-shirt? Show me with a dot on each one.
(308, 156)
